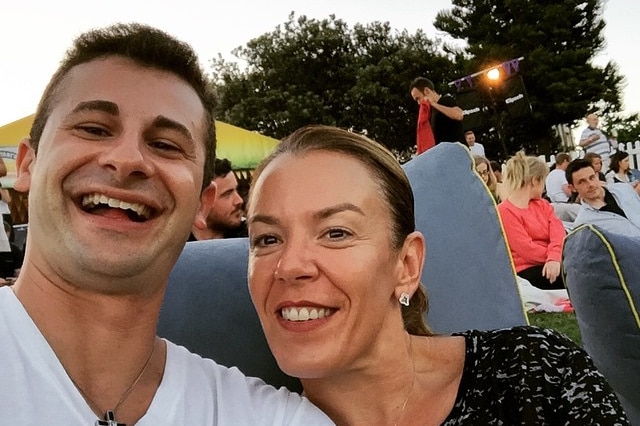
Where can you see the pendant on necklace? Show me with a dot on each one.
(109, 420)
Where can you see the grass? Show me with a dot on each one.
(563, 322)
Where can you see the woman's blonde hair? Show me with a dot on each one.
(523, 169)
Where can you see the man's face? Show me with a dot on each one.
(470, 138)
(227, 209)
(563, 165)
(418, 95)
(115, 185)
(587, 185)
(592, 121)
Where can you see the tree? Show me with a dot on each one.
(311, 71)
(558, 40)
(626, 127)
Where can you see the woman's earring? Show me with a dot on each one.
(404, 299)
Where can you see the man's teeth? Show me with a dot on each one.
(93, 200)
(304, 314)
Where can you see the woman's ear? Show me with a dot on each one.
(207, 198)
(410, 263)
(25, 159)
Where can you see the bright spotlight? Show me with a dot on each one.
(493, 74)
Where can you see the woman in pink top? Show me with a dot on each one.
(534, 232)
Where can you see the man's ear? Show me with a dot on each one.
(207, 198)
(571, 187)
(410, 263)
(25, 159)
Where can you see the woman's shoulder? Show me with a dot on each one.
(539, 373)
(521, 337)
(513, 350)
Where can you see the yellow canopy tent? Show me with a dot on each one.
(243, 148)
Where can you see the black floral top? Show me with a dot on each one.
(531, 376)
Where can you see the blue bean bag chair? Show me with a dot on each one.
(601, 271)
(207, 308)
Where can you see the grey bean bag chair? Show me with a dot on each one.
(468, 272)
(601, 271)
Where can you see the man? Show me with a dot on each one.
(446, 115)
(424, 133)
(556, 183)
(559, 192)
(615, 208)
(497, 170)
(221, 213)
(594, 140)
(476, 148)
(121, 145)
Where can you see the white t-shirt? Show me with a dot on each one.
(4, 243)
(600, 146)
(36, 390)
(477, 149)
(555, 179)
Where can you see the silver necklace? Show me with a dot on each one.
(110, 415)
(413, 382)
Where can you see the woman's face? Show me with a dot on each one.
(624, 165)
(322, 272)
(537, 188)
(483, 171)
(596, 163)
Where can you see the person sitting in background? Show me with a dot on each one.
(10, 261)
(497, 170)
(534, 232)
(559, 192)
(476, 148)
(484, 170)
(620, 171)
(5, 196)
(556, 184)
(334, 274)
(5, 201)
(613, 207)
(596, 162)
(221, 213)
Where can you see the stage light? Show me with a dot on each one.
(493, 74)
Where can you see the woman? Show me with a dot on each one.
(620, 171)
(334, 272)
(483, 167)
(596, 162)
(534, 232)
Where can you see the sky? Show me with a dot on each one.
(35, 34)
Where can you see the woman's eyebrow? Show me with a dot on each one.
(338, 208)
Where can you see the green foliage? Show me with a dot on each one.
(626, 127)
(311, 71)
(558, 40)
